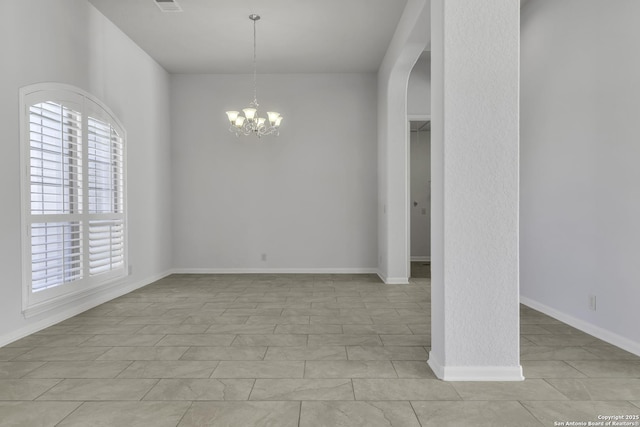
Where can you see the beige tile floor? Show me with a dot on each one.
(294, 350)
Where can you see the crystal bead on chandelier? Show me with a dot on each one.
(251, 123)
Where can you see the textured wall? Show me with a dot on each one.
(475, 53)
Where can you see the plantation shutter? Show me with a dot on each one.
(106, 197)
(55, 171)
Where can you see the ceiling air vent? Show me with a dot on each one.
(168, 5)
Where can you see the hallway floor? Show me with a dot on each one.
(294, 350)
(421, 269)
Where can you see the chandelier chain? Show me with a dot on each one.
(255, 67)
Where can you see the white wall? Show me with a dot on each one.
(420, 184)
(70, 42)
(419, 89)
(306, 199)
(580, 178)
(409, 41)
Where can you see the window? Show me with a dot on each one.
(74, 237)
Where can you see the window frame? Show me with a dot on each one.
(34, 303)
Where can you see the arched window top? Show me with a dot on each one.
(69, 94)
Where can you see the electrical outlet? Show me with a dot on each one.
(263, 257)
(592, 303)
(130, 270)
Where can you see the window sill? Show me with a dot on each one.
(71, 297)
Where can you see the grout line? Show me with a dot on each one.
(414, 412)
(556, 389)
(131, 362)
(252, 387)
(394, 368)
(156, 344)
(214, 368)
(568, 363)
(453, 386)
(33, 369)
(47, 390)
(81, 402)
(185, 413)
(532, 414)
(148, 391)
(185, 352)
(233, 340)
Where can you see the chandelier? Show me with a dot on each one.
(251, 122)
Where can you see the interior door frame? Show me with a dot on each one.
(411, 118)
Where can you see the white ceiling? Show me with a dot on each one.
(294, 36)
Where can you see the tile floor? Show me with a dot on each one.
(312, 350)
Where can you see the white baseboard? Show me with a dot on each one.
(396, 281)
(420, 258)
(589, 328)
(274, 271)
(393, 280)
(474, 373)
(79, 306)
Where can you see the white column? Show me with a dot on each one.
(475, 89)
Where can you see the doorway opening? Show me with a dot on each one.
(420, 198)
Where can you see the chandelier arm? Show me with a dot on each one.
(250, 129)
